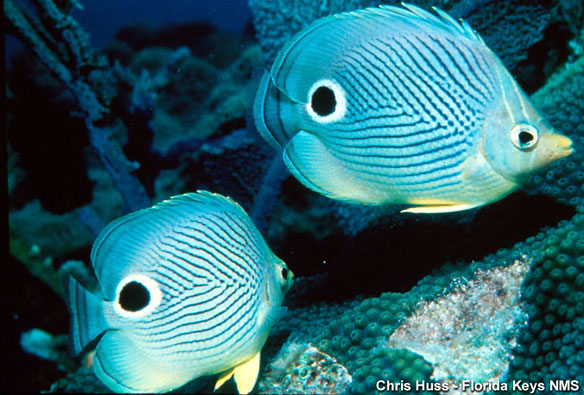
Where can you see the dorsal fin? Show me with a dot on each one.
(415, 15)
(319, 49)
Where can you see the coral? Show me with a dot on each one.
(81, 381)
(201, 38)
(560, 101)
(53, 234)
(468, 333)
(519, 25)
(57, 235)
(269, 191)
(232, 165)
(353, 218)
(354, 333)
(185, 97)
(229, 99)
(276, 22)
(62, 46)
(39, 266)
(551, 345)
(303, 369)
(572, 13)
(49, 347)
(458, 314)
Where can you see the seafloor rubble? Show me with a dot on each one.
(379, 295)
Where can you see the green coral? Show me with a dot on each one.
(355, 333)
(552, 344)
(560, 101)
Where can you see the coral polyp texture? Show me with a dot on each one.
(551, 346)
(560, 100)
(475, 323)
(510, 28)
(303, 369)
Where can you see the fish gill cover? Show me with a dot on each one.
(164, 109)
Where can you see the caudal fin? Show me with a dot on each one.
(86, 308)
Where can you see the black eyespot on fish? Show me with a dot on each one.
(134, 296)
(284, 273)
(323, 101)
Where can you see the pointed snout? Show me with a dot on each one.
(551, 147)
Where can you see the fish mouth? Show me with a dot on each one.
(558, 146)
(564, 144)
(550, 148)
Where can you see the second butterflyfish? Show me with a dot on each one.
(185, 289)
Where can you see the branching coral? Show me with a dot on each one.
(61, 45)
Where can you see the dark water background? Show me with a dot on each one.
(102, 19)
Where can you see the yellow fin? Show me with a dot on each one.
(245, 375)
(223, 378)
(446, 208)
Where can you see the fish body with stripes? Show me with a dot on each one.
(185, 289)
(399, 105)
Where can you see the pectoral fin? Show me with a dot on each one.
(245, 375)
(311, 162)
(123, 366)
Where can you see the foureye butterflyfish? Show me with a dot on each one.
(399, 105)
(185, 289)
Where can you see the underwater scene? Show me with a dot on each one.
(295, 197)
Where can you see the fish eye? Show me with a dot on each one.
(134, 296)
(137, 295)
(284, 273)
(524, 136)
(326, 101)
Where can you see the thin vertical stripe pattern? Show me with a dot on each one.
(210, 267)
(218, 304)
